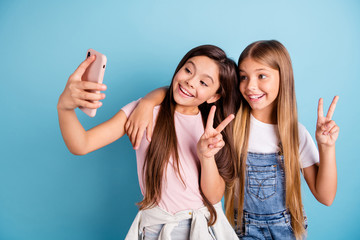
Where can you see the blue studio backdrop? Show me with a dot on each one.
(48, 193)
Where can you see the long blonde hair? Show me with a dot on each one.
(273, 54)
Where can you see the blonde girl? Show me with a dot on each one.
(272, 147)
(181, 190)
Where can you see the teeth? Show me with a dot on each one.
(186, 92)
(256, 97)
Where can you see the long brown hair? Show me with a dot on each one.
(164, 141)
(273, 54)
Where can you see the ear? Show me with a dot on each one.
(214, 98)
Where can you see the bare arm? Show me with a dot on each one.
(76, 94)
(142, 117)
(322, 178)
(212, 184)
(81, 142)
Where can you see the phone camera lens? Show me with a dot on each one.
(88, 54)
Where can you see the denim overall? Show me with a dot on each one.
(265, 215)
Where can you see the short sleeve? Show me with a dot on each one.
(309, 155)
(130, 107)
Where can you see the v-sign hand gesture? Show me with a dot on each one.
(211, 141)
(326, 129)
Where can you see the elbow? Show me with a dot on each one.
(214, 197)
(76, 148)
(77, 151)
(328, 202)
(214, 200)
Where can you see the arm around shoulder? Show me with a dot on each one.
(141, 117)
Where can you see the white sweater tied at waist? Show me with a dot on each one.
(199, 228)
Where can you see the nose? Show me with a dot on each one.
(252, 84)
(191, 82)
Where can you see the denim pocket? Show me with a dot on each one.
(261, 181)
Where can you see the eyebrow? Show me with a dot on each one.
(204, 74)
(257, 70)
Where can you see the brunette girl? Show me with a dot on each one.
(175, 183)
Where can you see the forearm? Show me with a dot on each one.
(326, 179)
(212, 184)
(73, 133)
(156, 96)
(81, 142)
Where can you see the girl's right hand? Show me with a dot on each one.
(77, 92)
(211, 141)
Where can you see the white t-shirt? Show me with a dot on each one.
(264, 138)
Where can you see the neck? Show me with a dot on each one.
(264, 116)
(187, 110)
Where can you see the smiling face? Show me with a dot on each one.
(259, 84)
(195, 83)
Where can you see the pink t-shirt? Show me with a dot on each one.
(175, 196)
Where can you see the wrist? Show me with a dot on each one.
(61, 105)
(206, 160)
(326, 147)
(326, 151)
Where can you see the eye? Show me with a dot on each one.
(203, 83)
(187, 70)
(262, 76)
(243, 78)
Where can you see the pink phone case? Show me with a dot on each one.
(94, 73)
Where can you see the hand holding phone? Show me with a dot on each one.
(94, 73)
(83, 87)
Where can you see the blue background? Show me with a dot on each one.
(47, 193)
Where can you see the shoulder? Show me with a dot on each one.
(129, 108)
(307, 148)
(304, 134)
(301, 127)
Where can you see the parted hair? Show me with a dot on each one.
(164, 141)
(272, 54)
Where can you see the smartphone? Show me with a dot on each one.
(94, 73)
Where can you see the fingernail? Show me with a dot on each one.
(103, 87)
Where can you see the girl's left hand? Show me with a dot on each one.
(211, 141)
(326, 129)
(140, 119)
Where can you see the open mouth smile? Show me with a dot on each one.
(255, 98)
(185, 92)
